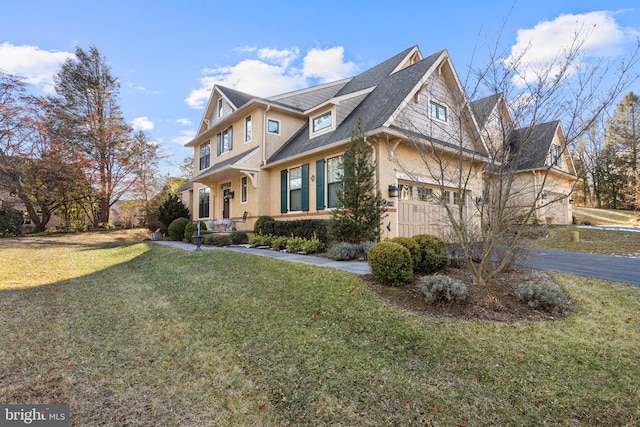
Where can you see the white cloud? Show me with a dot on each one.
(142, 123)
(36, 66)
(184, 122)
(185, 136)
(273, 71)
(327, 64)
(544, 46)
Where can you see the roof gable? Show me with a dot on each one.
(383, 88)
(530, 146)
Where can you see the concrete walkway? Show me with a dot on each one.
(356, 267)
(613, 268)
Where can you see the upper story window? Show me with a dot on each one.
(225, 141)
(438, 111)
(273, 126)
(556, 155)
(322, 122)
(220, 107)
(247, 129)
(205, 155)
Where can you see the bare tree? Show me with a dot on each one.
(89, 119)
(497, 154)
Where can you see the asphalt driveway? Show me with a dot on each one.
(613, 268)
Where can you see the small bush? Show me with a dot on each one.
(295, 244)
(542, 294)
(191, 229)
(343, 251)
(260, 240)
(391, 263)
(413, 246)
(176, 228)
(312, 246)
(11, 222)
(217, 240)
(439, 288)
(434, 255)
(279, 242)
(364, 248)
(239, 238)
(258, 227)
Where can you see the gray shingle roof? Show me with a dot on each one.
(483, 107)
(373, 110)
(237, 98)
(529, 146)
(227, 162)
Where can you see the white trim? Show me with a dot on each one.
(330, 128)
(267, 126)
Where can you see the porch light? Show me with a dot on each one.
(544, 196)
(231, 194)
(393, 191)
(571, 201)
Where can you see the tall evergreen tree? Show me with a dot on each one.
(361, 206)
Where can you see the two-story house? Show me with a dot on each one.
(281, 156)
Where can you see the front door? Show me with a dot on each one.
(225, 203)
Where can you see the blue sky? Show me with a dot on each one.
(168, 54)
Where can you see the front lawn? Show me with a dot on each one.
(592, 240)
(134, 333)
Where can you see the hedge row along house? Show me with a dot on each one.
(281, 156)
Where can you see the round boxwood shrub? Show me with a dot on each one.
(176, 228)
(258, 227)
(434, 255)
(192, 229)
(413, 246)
(390, 263)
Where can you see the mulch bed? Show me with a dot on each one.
(495, 301)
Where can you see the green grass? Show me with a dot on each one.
(159, 336)
(592, 240)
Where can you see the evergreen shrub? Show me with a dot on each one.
(177, 227)
(433, 252)
(391, 263)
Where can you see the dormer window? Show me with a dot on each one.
(438, 111)
(322, 122)
(220, 107)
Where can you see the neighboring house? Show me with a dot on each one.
(545, 171)
(281, 156)
(9, 200)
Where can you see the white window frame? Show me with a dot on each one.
(220, 107)
(314, 131)
(298, 188)
(248, 129)
(269, 121)
(328, 183)
(244, 190)
(438, 106)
